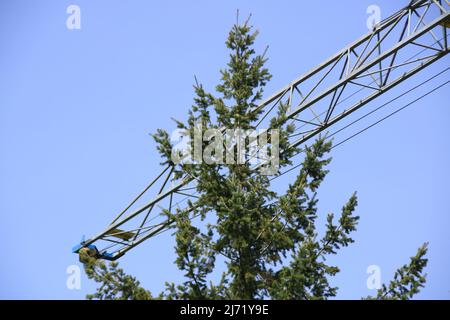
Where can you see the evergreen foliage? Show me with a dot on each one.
(270, 241)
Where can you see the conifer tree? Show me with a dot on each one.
(270, 241)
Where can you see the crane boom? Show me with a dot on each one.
(396, 49)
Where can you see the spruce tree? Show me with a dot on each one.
(269, 240)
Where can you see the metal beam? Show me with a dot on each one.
(333, 99)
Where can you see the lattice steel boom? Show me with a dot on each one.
(396, 49)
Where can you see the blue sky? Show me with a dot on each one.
(76, 108)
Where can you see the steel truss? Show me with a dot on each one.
(396, 49)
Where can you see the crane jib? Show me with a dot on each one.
(395, 50)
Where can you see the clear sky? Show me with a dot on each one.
(77, 107)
